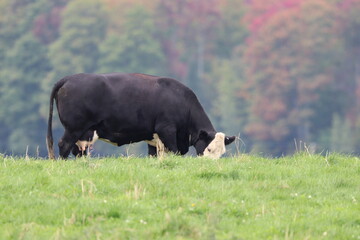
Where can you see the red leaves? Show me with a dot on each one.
(185, 25)
(290, 55)
(263, 11)
(46, 26)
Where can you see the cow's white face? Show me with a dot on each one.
(216, 148)
(82, 145)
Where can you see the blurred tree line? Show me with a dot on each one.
(276, 72)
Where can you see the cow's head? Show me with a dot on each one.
(212, 144)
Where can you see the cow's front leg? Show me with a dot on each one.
(168, 137)
(152, 151)
(183, 142)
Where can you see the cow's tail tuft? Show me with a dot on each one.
(49, 137)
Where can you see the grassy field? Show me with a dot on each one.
(245, 197)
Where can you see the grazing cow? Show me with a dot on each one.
(125, 108)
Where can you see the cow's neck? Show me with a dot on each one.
(199, 121)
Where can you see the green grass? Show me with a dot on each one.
(245, 197)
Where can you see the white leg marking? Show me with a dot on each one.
(82, 145)
(160, 147)
(217, 147)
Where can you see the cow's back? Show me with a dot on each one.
(124, 102)
(157, 94)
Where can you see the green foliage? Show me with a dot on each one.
(20, 92)
(274, 71)
(245, 197)
(230, 34)
(82, 30)
(229, 108)
(134, 47)
(292, 55)
(342, 137)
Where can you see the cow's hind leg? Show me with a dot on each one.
(67, 142)
(82, 146)
(76, 152)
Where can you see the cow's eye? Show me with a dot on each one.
(209, 149)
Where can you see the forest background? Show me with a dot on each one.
(276, 72)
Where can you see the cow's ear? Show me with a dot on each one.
(206, 136)
(203, 135)
(229, 140)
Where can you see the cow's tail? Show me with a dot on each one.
(49, 137)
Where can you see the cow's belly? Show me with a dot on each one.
(83, 144)
(108, 141)
(120, 139)
(155, 142)
(122, 131)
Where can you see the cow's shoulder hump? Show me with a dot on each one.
(171, 83)
(143, 76)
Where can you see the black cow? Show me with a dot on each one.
(126, 108)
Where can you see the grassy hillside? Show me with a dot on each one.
(245, 197)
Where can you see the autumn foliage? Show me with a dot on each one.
(293, 53)
(276, 72)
